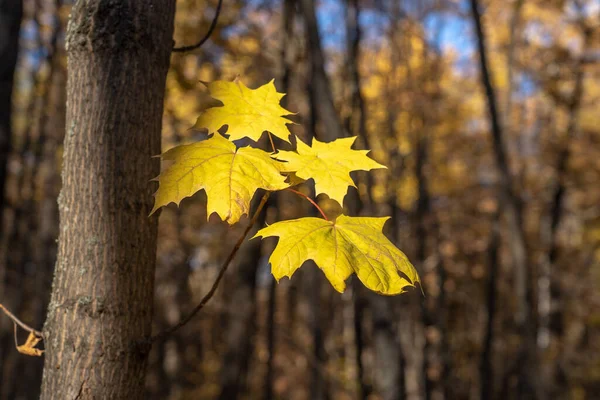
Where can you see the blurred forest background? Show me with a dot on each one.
(497, 207)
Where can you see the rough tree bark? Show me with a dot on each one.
(101, 306)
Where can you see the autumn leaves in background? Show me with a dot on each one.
(231, 176)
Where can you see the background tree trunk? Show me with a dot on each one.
(101, 306)
(241, 325)
(319, 87)
(11, 13)
(513, 212)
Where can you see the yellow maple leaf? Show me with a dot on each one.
(339, 248)
(229, 176)
(329, 164)
(246, 112)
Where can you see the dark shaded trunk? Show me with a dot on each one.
(512, 206)
(551, 291)
(358, 118)
(515, 21)
(287, 53)
(272, 306)
(101, 306)
(42, 211)
(389, 374)
(241, 325)
(11, 13)
(388, 353)
(486, 364)
(322, 109)
(174, 356)
(29, 248)
(318, 81)
(358, 312)
(421, 217)
(319, 389)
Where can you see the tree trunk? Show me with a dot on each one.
(358, 118)
(319, 82)
(242, 321)
(388, 354)
(11, 13)
(101, 306)
(422, 217)
(270, 374)
(319, 389)
(512, 206)
(388, 376)
(486, 364)
(288, 52)
(551, 310)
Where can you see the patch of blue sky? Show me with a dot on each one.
(449, 32)
(30, 51)
(374, 25)
(446, 31)
(525, 84)
(331, 22)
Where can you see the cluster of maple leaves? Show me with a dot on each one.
(231, 175)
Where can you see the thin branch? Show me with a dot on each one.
(17, 321)
(212, 27)
(311, 202)
(222, 271)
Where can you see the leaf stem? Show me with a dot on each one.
(272, 143)
(222, 271)
(311, 202)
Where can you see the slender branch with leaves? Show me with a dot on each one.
(231, 174)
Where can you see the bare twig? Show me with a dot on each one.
(222, 271)
(17, 321)
(33, 339)
(212, 27)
